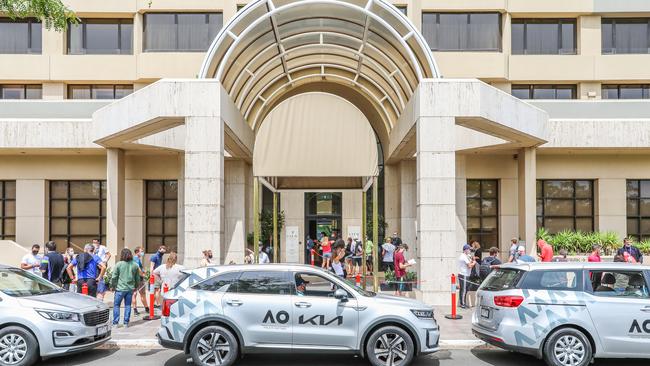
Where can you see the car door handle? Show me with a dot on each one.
(234, 303)
(646, 309)
(303, 304)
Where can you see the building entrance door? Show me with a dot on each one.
(322, 215)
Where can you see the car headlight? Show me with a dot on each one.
(61, 316)
(422, 314)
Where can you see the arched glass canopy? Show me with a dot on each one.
(272, 47)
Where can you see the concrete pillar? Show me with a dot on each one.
(351, 201)
(204, 189)
(134, 213)
(461, 199)
(408, 211)
(437, 247)
(611, 208)
(31, 212)
(527, 188)
(180, 209)
(392, 198)
(235, 211)
(115, 207)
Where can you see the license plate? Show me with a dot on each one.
(102, 330)
(485, 312)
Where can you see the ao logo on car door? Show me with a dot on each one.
(637, 329)
(282, 317)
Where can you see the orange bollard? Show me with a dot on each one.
(357, 281)
(84, 289)
(152, 300)
(453, 315)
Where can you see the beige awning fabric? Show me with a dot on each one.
(315, 135)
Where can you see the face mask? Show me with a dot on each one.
(34, 252)
(210, 256)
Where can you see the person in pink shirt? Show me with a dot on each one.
(400, 267)
(326, 246)
(595, 254)
(546, 250)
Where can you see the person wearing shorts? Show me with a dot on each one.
(326, 246)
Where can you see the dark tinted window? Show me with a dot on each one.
(21, 91)
(543, 36)
(544, 91)
(218, 282)
(101, 36)
(502, 279)
(181, 32)
(565, 205)
(264, 282)
(462, 31)
(101, 91)
(20, 36)
(553, 280)
(483, 211)
(625, 35)
(619, 284)
(629, 91)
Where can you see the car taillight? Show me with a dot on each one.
(167, 305)
(508, 301)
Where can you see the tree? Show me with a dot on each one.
(51, 12)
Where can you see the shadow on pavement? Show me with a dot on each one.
(80, 358)
(506, 358)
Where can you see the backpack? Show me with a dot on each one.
(484, 269)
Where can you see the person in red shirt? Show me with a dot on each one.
(400, 267)
(595, 254)
(546, 251)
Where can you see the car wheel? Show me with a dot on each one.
(567, 347)
(390, 346)
(214, 346)
(18, 347)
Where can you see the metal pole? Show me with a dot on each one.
(375, 232)
(256, 220)
(275, 227)
(363, 237)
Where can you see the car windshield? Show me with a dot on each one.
(19, 283)
(501, 279)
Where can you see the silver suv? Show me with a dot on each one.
(566, 313)
(39, 320)
(217, 314)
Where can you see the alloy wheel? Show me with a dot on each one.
(569, 350)
(13, 349)
(391, 349)
(213, 349)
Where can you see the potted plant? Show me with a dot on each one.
(410, 278)
(389, 281)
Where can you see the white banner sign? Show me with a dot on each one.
(292, 240)
(354, 232)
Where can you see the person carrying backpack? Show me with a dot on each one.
(488, 263)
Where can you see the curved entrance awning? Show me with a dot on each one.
(274, 46)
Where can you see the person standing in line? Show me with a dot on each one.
(631, 250)
(67, 259)
(562, 257)
(465, 264)
(522, 257)
(102, 252)
(476, 251)
(401, 265)
(546, 251)
(326, 247)
(368, 248)
(52, 264)
(170, 272)
(125, 279)
(138, 258)
(396, 240)
(87, 265)
(32, 261)
(309, 245)
(595, 254)
(514, 244)
(337, 264)
(489, 263)
(155, 262)
(387, 251)
(358, 256)
(263, 257)
(207, 258)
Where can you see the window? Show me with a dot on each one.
(544, 91)
(220, 282)
(553, 280)
(630, 91)
(101, 37)
(20, 36)
(565, 205)
(162, 214)
(7, 210)
(21, 91)
(99, 91)
(543, 36)
(264, 282)
(502, 279)
(316, 285)
(77, 212)
(638, 209)
(483, 212)
(403, 9)
(625, 35)
(180, 32)
(462, 31)
(619, 284)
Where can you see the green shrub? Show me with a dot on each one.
(578, 242)
(644, 246)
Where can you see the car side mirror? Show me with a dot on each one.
(341, 295)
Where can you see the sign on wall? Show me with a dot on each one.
(354, 232)
(292, 240)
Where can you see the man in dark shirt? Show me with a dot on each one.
(52, 264)
(633, 251)
(156, 260)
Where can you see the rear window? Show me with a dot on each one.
(561, 280)
(502, 279)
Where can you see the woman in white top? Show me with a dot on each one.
(337, 265)
(170, 273)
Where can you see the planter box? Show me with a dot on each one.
(392, 286)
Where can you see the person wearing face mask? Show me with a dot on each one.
(207, 258)
(87, 264)
(102, 252)
(68, 256)
(631, 251)
(156, 260)
(138, 258)
(32, 261)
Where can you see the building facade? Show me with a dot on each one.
(314, 99)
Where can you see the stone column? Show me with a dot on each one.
(235, 211)
(180, 208)
(31, 212)
(408, 211)
(392, 198)
(527, 197)
(610, 208)
(437, 247)
(204, 189)
(115, 203)
(461, 199)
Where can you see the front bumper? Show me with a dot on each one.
(63, 339)
(429, 340)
